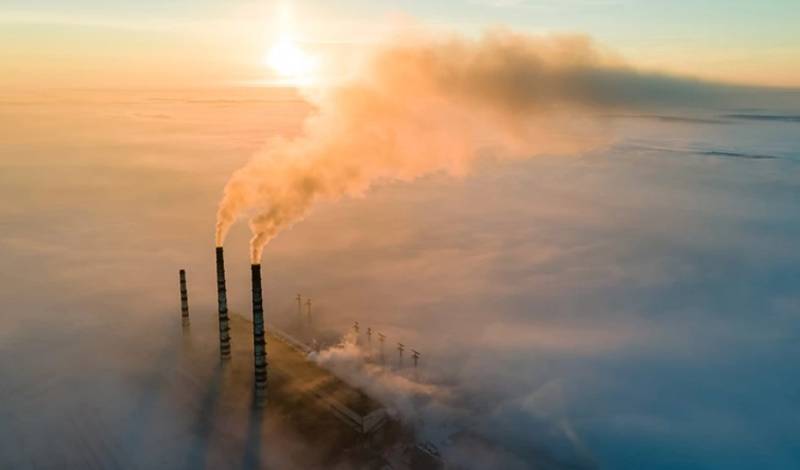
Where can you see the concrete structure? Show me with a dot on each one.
(348, 403)
(259, 344)
(222, 307)
(184, 296)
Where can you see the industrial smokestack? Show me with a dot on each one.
(259, 345)
(222, 300)
(184, 297)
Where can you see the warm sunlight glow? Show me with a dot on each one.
(290, 62)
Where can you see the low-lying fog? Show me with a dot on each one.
(635, 307)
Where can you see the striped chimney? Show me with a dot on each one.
(184, 296)
(259, 344)
(222, 301)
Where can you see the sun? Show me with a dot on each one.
(290, 62)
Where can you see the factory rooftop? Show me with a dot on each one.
(305, 403)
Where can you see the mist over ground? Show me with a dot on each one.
(630, 307)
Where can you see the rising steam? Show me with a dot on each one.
(420, 106)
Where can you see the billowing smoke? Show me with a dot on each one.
(445, 414)
(426, 105)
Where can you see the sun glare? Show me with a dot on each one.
(290, 62)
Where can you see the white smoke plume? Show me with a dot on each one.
(442, 414)
(423, 105)
(409, 395)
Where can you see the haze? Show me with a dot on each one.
(622, 298)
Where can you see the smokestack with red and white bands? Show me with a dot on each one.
(222, 301)
(259, 344)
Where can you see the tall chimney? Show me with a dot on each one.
(222, 300)
(184, 296)
(259, 345)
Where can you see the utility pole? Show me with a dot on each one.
(299, 311)
(308, 312)
(400, 348)
(415, 355)
(382, 338)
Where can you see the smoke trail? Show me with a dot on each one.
(424, 105)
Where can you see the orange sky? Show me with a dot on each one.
(114, 47)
